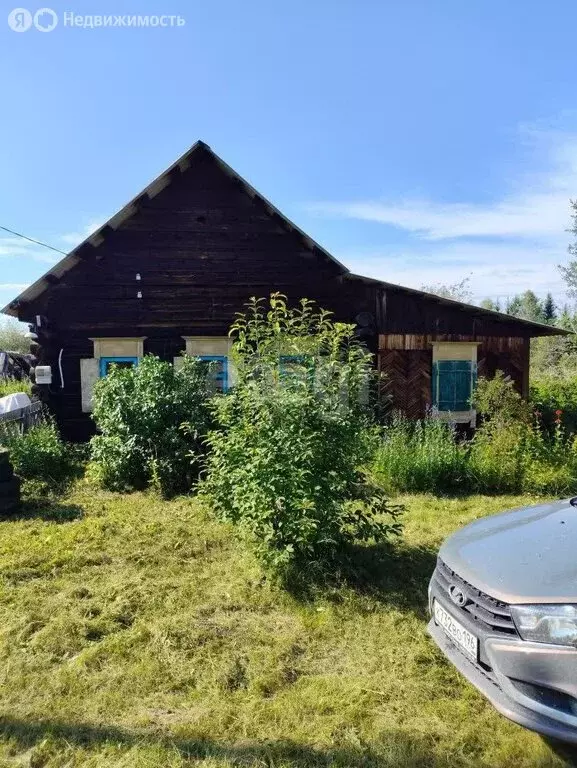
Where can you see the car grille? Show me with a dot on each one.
(492, 615)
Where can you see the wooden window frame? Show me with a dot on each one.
(223, 376)
(104, 362)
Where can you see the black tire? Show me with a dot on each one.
(9, 506)
(6, 473)
(10, 489)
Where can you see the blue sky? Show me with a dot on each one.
(419, 142)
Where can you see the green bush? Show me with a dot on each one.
(511, 452)
(551, 394)
(291, 436)
(152, 420)
(41, 457)
(420, 456)
(499, 458)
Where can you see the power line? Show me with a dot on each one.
(32, 240)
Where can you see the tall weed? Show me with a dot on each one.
(420, 456)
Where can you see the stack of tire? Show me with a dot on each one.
(9, 486)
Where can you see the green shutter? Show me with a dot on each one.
(453, 383)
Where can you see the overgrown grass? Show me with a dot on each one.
(12, 386)
(138, 633)
(512, 457)
(421, 456)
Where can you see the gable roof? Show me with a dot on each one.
(157, 185)
(182, 165)
(539, 329)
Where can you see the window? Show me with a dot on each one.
(215, 349)
(219, 370)
(292, 366)
(453, 384)
(121, 362)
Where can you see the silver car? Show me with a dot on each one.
(503, 602)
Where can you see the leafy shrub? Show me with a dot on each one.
(550, 394)
(12, 386)
(12, 336)
(499, 457)
(41, 457)
(140, 413)
(497, 401)
(291, 436)
(511, 452)
(420, 456)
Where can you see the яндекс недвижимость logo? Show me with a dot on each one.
(21, 20)
(45, 20)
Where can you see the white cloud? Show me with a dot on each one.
(13, 286)
(18, 248)
(510, 243)
(535, 205)
(75, 238)
(495, 271)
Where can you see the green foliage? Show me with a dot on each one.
(41, 457)
(549, 309)
(498, 457)
(290, 438)
(460, 291)
(551, 394)
(497, 400)
(510, 452)
(152, 419)
(527, 306)
(420, 456)
(11, 386)
(12, 336)
(494, 306)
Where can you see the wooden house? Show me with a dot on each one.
(169, 271)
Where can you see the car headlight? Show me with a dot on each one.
(555, 624)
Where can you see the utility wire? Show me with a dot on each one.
(31, 239)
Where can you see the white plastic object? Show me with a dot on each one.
(14, 402)
(43, 374)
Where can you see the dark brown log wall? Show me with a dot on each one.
(202, 247)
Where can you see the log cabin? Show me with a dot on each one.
(168, 272)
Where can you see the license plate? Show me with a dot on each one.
(456, 631)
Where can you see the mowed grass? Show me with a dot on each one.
(139, 633)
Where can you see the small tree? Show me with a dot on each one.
(152, 419)
(549, 310)
(494, 306)
(292, 435)
(12, 337)
(460, 291)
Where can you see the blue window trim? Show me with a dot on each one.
(222, 375)
(306, 361)
(105, 361)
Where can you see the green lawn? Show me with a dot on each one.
(136, 632)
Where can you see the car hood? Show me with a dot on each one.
(528, 555)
